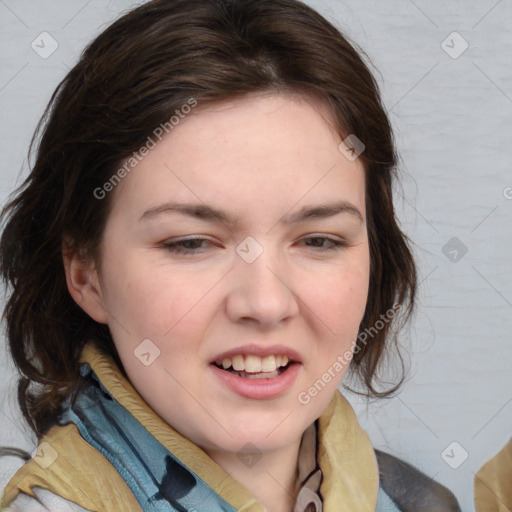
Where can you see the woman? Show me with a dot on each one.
(200, 252)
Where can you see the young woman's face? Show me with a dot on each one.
(209, 255)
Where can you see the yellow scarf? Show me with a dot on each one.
(78, 472)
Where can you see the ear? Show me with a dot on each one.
(83, 284)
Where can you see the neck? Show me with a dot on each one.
(271, 476)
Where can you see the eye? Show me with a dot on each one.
(194, 245)
(334, 245)
(187, 246)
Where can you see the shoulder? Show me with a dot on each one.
(70, 468)
(410, 489)
(43, 501)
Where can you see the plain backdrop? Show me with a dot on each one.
(445, 69)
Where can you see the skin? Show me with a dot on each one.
(259, 158)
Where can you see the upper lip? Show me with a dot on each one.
(261, 351)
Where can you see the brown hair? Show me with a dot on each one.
(128, 81)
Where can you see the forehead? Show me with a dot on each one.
(263, 151)
(264, 121)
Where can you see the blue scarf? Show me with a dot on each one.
(159, 481)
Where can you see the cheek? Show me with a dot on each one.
(338, 297)
(151, 299)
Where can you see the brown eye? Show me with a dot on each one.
(319, 240)
(188, 246)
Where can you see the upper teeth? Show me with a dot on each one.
(252, 363)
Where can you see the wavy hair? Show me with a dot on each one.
(131, 79)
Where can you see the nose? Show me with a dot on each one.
(261, 291)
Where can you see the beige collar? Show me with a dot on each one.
(346, 458)
(307, 487)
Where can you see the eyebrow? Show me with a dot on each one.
(212, 214)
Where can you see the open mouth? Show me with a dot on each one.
(254, 377)
(257, 375)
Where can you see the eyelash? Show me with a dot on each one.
(177, 247)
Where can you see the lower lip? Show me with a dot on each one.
(258, 389)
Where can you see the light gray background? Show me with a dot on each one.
(453, 120)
